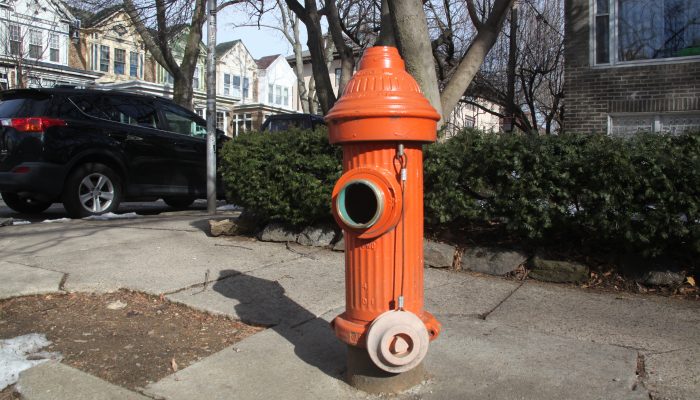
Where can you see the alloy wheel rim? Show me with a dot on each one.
(96, 193)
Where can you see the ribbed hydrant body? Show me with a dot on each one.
(382, 120)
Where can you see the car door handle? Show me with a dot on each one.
(134, 138)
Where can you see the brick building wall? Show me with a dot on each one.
(595, 93)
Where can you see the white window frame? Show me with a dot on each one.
(15, 36)
(236, 87)
(119, 62)
(54, 45)
(227, 86)
(195, 78)
(36, 38)
(657, 125)
(101, 53)
(613, 41)
(131, 63)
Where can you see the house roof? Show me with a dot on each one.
(222, 48)
(265, 62)
(90, 19)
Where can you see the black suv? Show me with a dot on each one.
(92, 149)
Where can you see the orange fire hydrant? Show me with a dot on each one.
(382, 120)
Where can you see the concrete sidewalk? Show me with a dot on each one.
(500, 340)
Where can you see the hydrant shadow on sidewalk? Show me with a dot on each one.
(263, 302)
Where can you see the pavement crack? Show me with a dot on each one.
(487, 313)
(35, 266)
(62, 283)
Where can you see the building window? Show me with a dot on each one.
(34, 82)
(34, 43)
(119, 61)
(278, 94)
(243, 123)
(602, 32)
(635, 30)
(220, 120)
(169, 78)
(53, 47)
(134, 64)
(104, 58)
(245, 87)
(236, 86)
(95, 57)
(338, 72)
(286, 97)
(15, 40)
(195, 78)
(270, 93)
(227, 84)
(671, 123)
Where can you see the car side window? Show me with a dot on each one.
(180, 121)
(134, 111)
(123, 109)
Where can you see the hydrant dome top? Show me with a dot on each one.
(382, 102)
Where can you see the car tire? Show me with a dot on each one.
(179, 202)
(92, 189)
(24, 205)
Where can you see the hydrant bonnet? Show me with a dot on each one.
(382, 94)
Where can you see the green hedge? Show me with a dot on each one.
(639, 194)
(282, 176)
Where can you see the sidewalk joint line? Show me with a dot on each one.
(486, 314)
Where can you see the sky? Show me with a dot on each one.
(259, 41)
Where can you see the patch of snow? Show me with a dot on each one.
(228, 207)
(111, 216)
(20, 222)
(52, 221)
(21, 353)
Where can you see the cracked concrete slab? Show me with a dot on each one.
(21, 280)
(673, 374)
(464, 294)
(109, 259)
(288, 293)
(53, 380)
(642, 322)
(475, 359)
(283, 363)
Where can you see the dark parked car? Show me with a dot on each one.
(283, 122)
(92, 149)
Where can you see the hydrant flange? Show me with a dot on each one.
(367, 202)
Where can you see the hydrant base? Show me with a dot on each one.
(362, 374)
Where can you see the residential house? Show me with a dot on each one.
(111, 46)
(632, 66)
(334, 72)
(36, 39)
(276, 90)
(236, 74)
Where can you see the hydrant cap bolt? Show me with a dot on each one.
(382, 102)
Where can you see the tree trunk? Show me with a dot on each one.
(386, 34)
(347, 58)
(299, 68)
(512, 61)
(411, 33)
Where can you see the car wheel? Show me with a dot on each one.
(179, 202)
(92, 189)
(25, 205)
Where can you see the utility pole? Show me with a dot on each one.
(211, 107)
